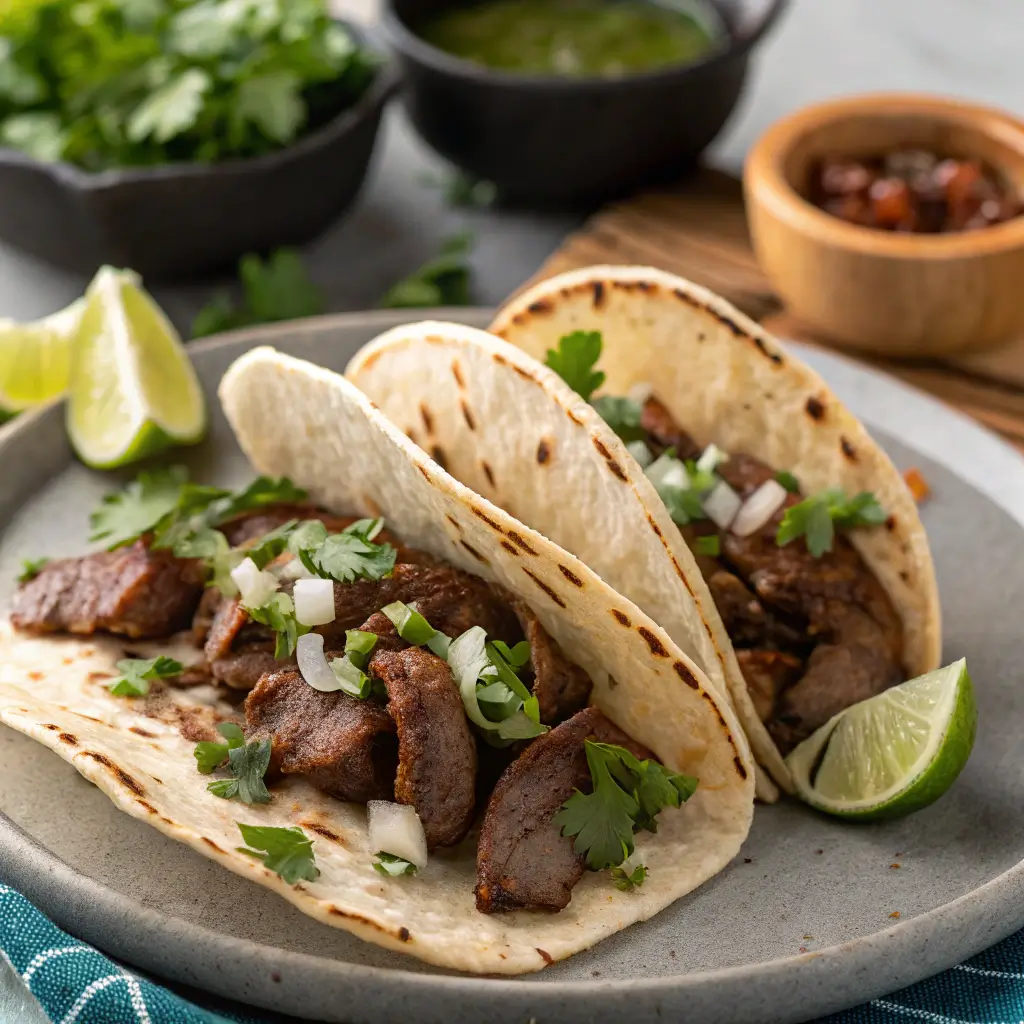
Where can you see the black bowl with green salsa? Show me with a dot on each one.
(574, 101)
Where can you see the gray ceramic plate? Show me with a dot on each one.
(813, 916)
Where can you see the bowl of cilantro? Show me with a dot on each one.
(171, 136)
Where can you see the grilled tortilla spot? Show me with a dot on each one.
(545, 955)
(570, 575)
(598, 294)
(686, 675)
(457, 373)
(426, 475)
(654, 526)
(488, 472)
(119, 773)
(510, 548)
(322, 830)
(210, 843)
(141, 732)
(540, 306)
(573, 417)
(476, 554)
(428, 420)
(518, 540)
(621, 617)
(656, 646)
(543, 451)
(739, 767)
(848, 450)
(51, 727)
(402, 934)
(437, 454)
(487, 519)
(553, 594)
(815, 409)
(148, 806)
(69, 738)
(467, 415)
(451, 519)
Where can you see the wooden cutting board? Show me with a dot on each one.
(699, 231)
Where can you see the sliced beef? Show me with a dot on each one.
(523, 861)
(767, 674)
(746, 620)
(344, 746)
(240, 669)
(132, 591)
(561, 688)
(436, 750)
(663, 432)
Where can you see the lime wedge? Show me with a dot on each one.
(35, 359)
(891, 754)
(133, 389)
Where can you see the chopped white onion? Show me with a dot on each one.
(396, 829)
(668, 471)
(295, 570)
(722, 504)
(759, 508)
(314, 602)
(711, 458)
(255, 587)
(640, 392)
(313, 667)
(640, 452)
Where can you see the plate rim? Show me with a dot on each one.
(899, 955)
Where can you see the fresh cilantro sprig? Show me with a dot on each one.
(127, 514)
(210, 756)
(818, 517)
(623, 415)
(285, 851)
(627, 796)
(446, 280)
(347, 556)
(788, 481)
(31, 568)
(627, 881)
(390, 866)
(136, 674)
(248, 763)
(681, 486)
(279, 614)
(574, 361)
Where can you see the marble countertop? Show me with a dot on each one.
(821, 48)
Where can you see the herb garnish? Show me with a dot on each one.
(390, 866)
(347, 556)
(351, 669)
(628, 794)
(628, 880)
(443, 281)
(681, 486)
(31, 568)
(248, 763)
(136, 674)
(414, 629)
(285, 851)
(279, 614)
(127, 514)
(210, 756)
(574, 362)
(788, 481)
(709, 545)
(622, 415)
(818, 517)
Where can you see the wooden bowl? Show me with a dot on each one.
(897, 294)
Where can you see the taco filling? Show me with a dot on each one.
(813, 629)
(379, 673)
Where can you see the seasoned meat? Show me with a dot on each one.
(523, 861)
(767, 674)
(344, 746)
(228, 619)
(436, 750)
(132, 591)
(209, 605)
(746, 620)
(240, 669)
(561, 688)
(663, 432)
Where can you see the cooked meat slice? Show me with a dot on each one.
(209, 605)
(746, 620)
(767, 674)
(241, 668)
(228, 620)
(132, 591)
(523, 861)
(436, 750)
(561, 688)
(663, 432)
(345, 747)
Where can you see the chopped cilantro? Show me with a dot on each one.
(816, 518)
(443, 281)
(31, 568)
(127, 514)
(248, 764)
(628, 881)
(210, 756)
(709, 545)
(574, 361)
(390, 866)
(279, 614)
(788, 481)
(627, 796)
(346, 556)
(285, 851)
(351, 677)
(622, 415)
(136, 674)
(271, 544)
(681, 486)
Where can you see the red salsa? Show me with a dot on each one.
(911, 190)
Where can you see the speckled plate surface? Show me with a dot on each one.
(813, 916)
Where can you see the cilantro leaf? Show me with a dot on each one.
(270, 545)
(31, 568)
(171, 110)
(347, 556)
(136, 674)
(861, 510)
(709, 545)
(574, 361)
(788, 481)
(248, 764)
(628, 881)
(285, 851)
(279, 614)
(210, 756)
(817, 517)
(622, 415)
(443, 281)
(127, 514)
(390, 866)
(273, 103)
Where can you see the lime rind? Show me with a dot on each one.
(892, 754)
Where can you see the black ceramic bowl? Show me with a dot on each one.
(183, 220)
(546, 139)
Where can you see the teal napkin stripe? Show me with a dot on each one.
(76, 984)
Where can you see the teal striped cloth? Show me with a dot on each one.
(46, 975)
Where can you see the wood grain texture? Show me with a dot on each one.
(699, 231)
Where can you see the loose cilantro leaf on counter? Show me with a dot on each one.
(628, 881)
(210, 756)
(31, 568)
(390, 866)
(248, 764)
(816, 518)
(622, 415)
(788, 481)
(127, 514)
(285, 851)
(627, 796)
(279, 614)
(443, 281)
(136, 674)
(574, 361)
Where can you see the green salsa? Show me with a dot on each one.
(574, 37)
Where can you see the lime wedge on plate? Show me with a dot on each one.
(891, 754)
(35, 359)
(133, 389)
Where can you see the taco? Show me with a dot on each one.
(674, 443)
(423, 725)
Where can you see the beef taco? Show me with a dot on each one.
(363, 686)
(700, 469)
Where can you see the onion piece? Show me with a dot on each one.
(759, 508)
(396, 829)
(722, 504)
(711, 458)
(668, 471)
(313, 667)
(295, 570)
(640, 452)
(314, 602)
(255, 587)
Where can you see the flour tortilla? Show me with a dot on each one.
(513, 430)
(329, 438)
